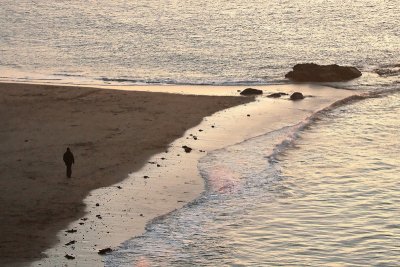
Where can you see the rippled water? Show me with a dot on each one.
(328, 199)
(186, 42)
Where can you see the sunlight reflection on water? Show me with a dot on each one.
(330, 201)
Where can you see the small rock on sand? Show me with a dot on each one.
(70, 243)
(104, 251)
(69, 257)
(187, 149)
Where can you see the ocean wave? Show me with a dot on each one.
(161, 81)
(388, 70)
(262, 152)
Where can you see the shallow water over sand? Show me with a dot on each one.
(328, 199)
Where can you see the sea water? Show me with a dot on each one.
(327, 195)
(193, 42)
(320, 193)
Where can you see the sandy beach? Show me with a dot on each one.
(130, 165)
(112, 133)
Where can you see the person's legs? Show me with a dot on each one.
(69, 170)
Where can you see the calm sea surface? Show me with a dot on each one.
(322, 193)
(192, 42)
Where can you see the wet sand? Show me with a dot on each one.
(170, 180)
(111, 132)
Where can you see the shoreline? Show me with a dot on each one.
(111, 132)
(184, 183)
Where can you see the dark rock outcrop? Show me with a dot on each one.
(311, 72)
(251, 91)
(296, 96)
(276, 95)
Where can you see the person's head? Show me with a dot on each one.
(68, 149)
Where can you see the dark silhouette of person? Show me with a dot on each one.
(69, 160)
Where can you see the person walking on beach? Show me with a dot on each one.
(69, 160)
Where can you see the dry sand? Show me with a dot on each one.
(112, 133)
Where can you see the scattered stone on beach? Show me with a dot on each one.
(311, 72)
(119, 187)
(71, 231)
(71, 243)
(296, 96)
(99, 216)
(248, 115)
(146, 177)
(158, 165)
(141, 215)
(212, 126)
(187, 149)
(97, 204)
(276, 95)
(200, 130)
(69, 257)
(251, 91)
(104, 251)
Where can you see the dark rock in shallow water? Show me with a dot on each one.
(311, 72)
(276, 95)
(251, 91)
(69, 257)
(296, 96)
